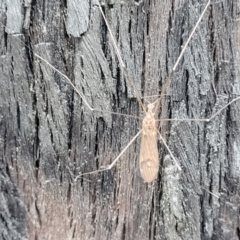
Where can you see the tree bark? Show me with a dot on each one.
(48, 135)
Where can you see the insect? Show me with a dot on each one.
(65, 126)
(149, 160)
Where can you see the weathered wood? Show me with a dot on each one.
(48, 135)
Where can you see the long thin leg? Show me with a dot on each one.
(123, 66)
(79, 93)
(169, 151)
(199, 119)
(159, 120)
(191, 34)
(168, 81)
(116, 159)
(178, 166)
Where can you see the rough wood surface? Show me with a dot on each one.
(48, 135)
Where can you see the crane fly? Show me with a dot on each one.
(81, 160)
(149, 159)
(149, 156)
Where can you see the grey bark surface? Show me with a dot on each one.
(48, 135)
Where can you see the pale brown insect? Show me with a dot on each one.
(148, 159)
(149, 156)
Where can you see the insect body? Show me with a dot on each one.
(149, 162)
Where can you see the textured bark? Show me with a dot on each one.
(48, 135)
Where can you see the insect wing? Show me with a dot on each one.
(149, 162)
